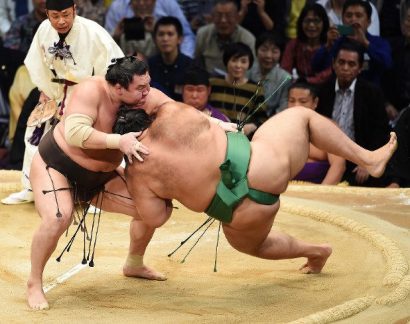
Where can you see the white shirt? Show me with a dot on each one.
(92, 49)
(343, 109)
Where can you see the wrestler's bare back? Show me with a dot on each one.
(188, 170)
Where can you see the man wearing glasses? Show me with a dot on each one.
(224, 29)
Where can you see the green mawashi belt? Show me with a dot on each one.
(233, 186)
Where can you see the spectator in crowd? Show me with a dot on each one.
(321, 167)
(293, 11)
(389, 13)
(396, 81)
(312, 27)
(55, 70)
(92, 9)
(197, 12)
(10, 10)
(334, 12)
(234, 95)
(23, 97)
(357, 106)
(279, 10)
(196, 90)
(135, 34)
(17, 149)
(150, 10)
(21, 32)
(7, 16)
(255, 17)
(398, 168)
(268, 48)
(167, 68)
(19, 91)
(213, 38)
(356, 13)
(10, 60)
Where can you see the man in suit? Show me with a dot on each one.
(357, 106)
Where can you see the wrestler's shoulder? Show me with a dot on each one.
(89, 88)
(93, 82)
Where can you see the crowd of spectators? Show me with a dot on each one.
(350, 60)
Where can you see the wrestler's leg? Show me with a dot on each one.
(256, 238)
(293, 123)
(51, 227)
(117, 199)
(140, 236)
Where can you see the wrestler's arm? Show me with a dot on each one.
(226, 126)
(337, 168)
(80, 118)
(155, 99)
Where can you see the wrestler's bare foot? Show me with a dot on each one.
(36, 298)
(381, 156)
(143, 272)
(316, 262)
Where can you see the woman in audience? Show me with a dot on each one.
(312, 27)
(234, 95)
(268, 48)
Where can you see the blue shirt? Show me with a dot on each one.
(120, 9)
(169, 77)
(379, 57)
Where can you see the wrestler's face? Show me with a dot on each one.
(196, 95)
(137, 90)
(62, 21)
(237, 67)
(347, 67)
(301, 97)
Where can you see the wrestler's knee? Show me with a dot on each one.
(55, 226)
(239, 241)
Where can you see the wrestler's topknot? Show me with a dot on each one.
(123, 70)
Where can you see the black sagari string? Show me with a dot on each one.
(243, 120)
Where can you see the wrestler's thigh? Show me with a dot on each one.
(287, 131)
(250, 226)
(48, 197)
(116, 198)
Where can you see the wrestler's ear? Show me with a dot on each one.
(315, 103)
(118, 88)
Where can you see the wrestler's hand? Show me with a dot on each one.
(130, 146)
(43, 97)
(228, 127)
(249, 128)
